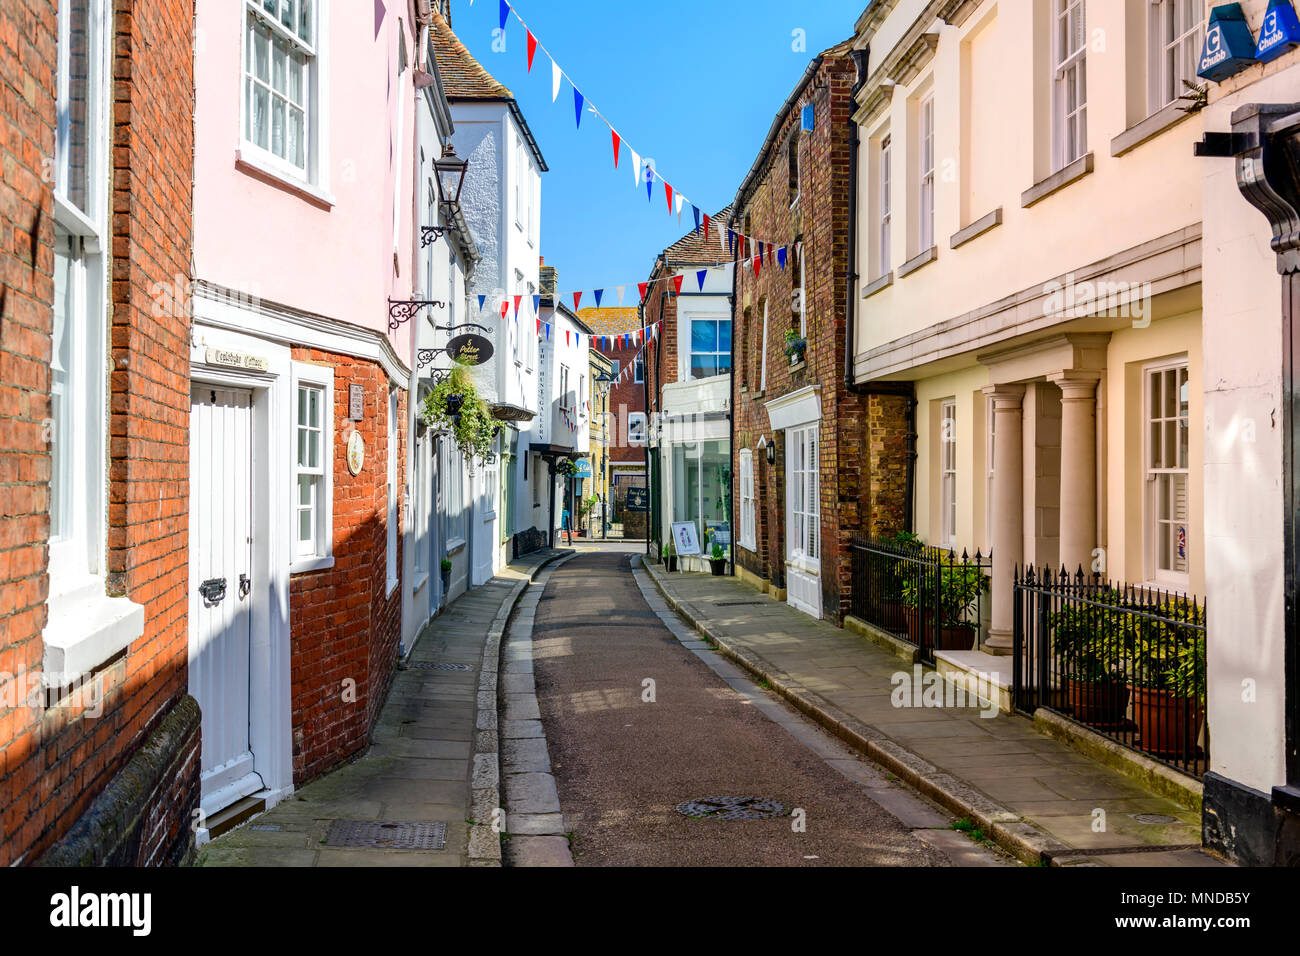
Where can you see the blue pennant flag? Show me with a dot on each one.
(702, 275)
(548, 331)
(537, 304)
(696, 211)
(760, 250)
(505, 12)
(482, 301)
(577, 106)
(649, 184)
(599, 293)
(780, 258)
(731, 241)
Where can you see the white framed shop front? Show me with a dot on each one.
(798, 415)
(241, 508)
(695, 452)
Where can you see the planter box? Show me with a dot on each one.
(1169, 724)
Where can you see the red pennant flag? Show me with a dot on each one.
(668, 191)
(677, 284)
(617, 141)
(641, 287)
(532, 48)
(505, 307)
(706, 226)
(758, 265)
(518, 299)
(539, 326)
(577, 297)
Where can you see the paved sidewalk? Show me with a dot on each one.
(1038, 797)
(421, 764)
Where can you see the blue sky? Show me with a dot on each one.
(671, 79)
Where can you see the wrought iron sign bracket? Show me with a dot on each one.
(431, 234)
(402, 311)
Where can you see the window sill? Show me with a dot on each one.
(977, 228)
(85, 629)
(1057, 181)
(420, 582)
(392, 586)
(261, 170)
(1162, 119)
(306, 565)
(455, 546)
(916, 262)
(490, 517)
(884, 282)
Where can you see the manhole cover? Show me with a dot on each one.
(438, 666)
(1154, 818)
(387, 836)
(733, 808)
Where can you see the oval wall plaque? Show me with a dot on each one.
(356, 453)
(469, 350)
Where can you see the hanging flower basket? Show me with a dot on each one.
(454, 406)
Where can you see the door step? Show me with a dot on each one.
(232, 816)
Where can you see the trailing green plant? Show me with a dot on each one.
(566, 467)
(1168, 652)
(473, 430)
(1196, 98)
(795, 344)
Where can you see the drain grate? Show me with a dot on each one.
(387, 836)
(1154, 818)
(438, 666)
(733, 808)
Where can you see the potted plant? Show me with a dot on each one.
(892, 575)
(670, 556)
(446, 575)
(718, 560)
(1089, 644)
(1167, 677)
(454, 406)
(958, 586)
(795, 346)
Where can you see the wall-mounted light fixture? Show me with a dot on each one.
(769, 448)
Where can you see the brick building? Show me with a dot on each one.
(688, 370)
(626, 426)
(817, 462)
(99, 741)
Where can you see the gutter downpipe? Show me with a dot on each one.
(861, 59)
(733, 453)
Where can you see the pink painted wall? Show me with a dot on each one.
(254, 234)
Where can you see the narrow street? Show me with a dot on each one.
(625, 753)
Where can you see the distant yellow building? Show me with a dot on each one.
(598, 484)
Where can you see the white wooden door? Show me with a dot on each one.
(803, 521)
(222, 589)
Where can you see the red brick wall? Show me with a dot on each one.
(626, 397)
(344, 627)
(821, 223)
(53, 763)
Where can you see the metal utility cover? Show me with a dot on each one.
(438, 666)
(733, 808)
(387, 836)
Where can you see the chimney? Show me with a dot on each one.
(547, 277)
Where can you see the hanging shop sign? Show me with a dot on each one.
(1229, 48)
(471, 350)
(583, 469)
(638, 499)
(1279, 32)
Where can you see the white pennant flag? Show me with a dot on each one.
(556, 75)
(620, 290)
(681, 200)
(636, 168)
(722, 236)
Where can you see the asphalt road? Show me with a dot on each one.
(622, 763)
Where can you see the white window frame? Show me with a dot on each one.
(454, 509)
(77, 485)
(1152, 475)
(885, 222)
(762, 380)
(519, 185)
(315, 173)
(638, 368)
(321, 377)
(636, 428)
(803, 497)
(564, 388)
(803, 300)
(400, 123)
(420, 478)
(748, 523)
(391, 499)
(948, 473)
(925, 173)
(1170, 60)
(718, 321)
(1069, 72)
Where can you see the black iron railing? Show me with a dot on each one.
(1126, 661)
(927, 596)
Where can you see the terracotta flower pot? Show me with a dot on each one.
(919, 630)
(956, 637)
(1169, 724)
(1101, 703)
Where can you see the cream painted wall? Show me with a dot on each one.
(1149, 192)
(1242, 342)
(965, 388)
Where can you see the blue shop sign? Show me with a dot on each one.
(584, 469)
(1229, 47)
(1279, 32)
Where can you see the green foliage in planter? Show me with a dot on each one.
(1091, 642)
(1169, 655)
(719, 553)
(670, 549)
(476, 431)
(795, 344)
(959, 586)
(446, 565)
(566, 468)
